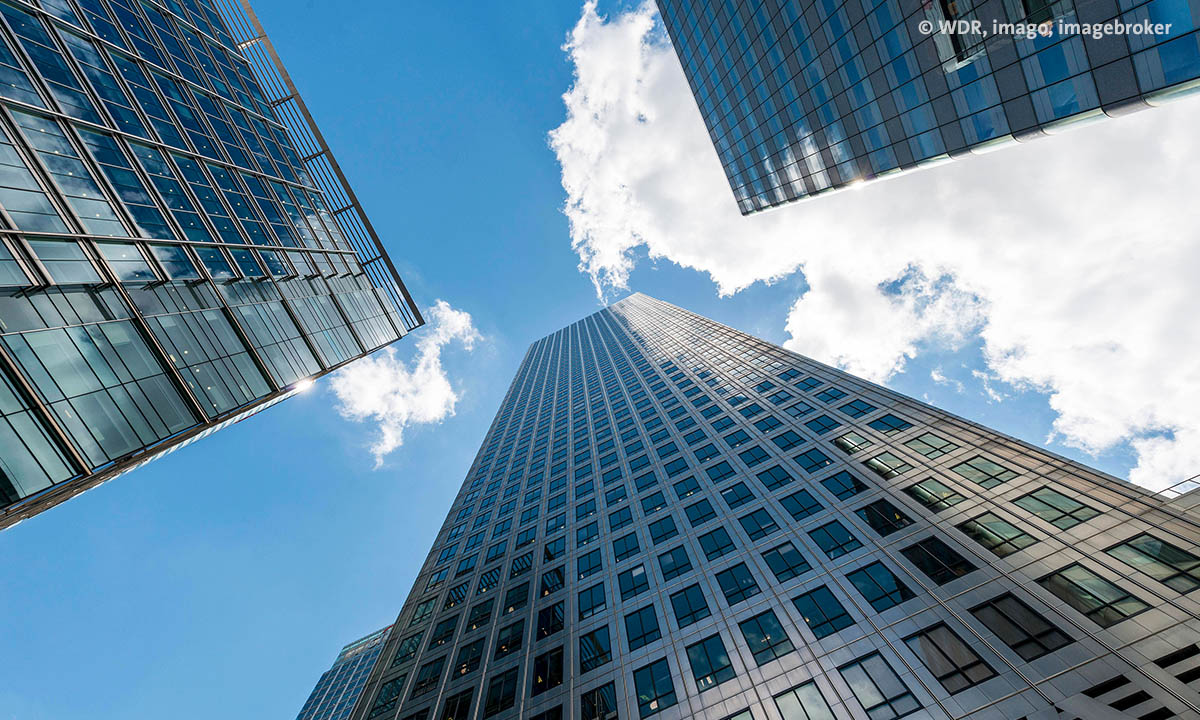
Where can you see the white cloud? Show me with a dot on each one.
(1072, 259)
(384, 390)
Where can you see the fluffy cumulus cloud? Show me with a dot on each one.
(1072, 261)
(384, 390)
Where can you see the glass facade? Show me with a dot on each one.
(340, 686)
(802, 98)
(178, 248)
(633, 539)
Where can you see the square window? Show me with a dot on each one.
(822, 612)
(786, 562)
(765, 637)
(737, 584)
(690, 606)
(710, 662)
(641, 627)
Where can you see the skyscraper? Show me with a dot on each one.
(803, 98)
(339, 687)
(178, 249)
(671, 518)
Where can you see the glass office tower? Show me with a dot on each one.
(671, 518)
(178, 247)
(340, 686)
(805, 97)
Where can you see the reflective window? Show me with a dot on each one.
(1021, 628)
(1100, 600)
(882, 694)
(1176, 568)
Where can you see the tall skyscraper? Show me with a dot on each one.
(178, 249)
(340, 686)
(805, 97)
(671, 518)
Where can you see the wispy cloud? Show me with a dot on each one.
(1076, 279)
(394, 396)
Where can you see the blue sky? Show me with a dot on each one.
(222, 580)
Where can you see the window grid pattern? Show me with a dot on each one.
(576, 447)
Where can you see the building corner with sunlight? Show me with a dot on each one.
(179, 249)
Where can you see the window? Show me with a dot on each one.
(443, 631)
(822, 424)
(736, 495)
(686, 488)
(737, 583)
(428, 677)
(787, 440)
(388, 696)
(996, 534)
(663, 529)
(803, 702)
(786, 562)
(931, 446)
(595, 649)
(470, 656)
(768, 423)
(857, 408)
(882, 694)
(589, 564)
(984, 472)
(653, 503)
(720, 471)
(407, 649)
(1021, 628)
(765, 637)
(458, 706)
(822, 612)
(1172, 566)
(552, 581)
(1055, 508)
(798, 410)
(586, 534)
(547, 671)
(1101, 601)
(812, 460)
(834, 539)
(480, 615)
(754, 456)
(887, 466)
(774, 478)
(737, 439)
(955, 665)
(689, 605)
(501, 693)
(800, 504)
(937, 560)
(934, 495)
(758, 524)
(716, 543)
(423, 611)
(674, 563)
(591, 601)
(633, 582)
(655, 691)
(619, 519)
(526, 536)
(852, 442)
(516, 598)
(843, 485)
(550, 620)
(700, 512)
(508, 640)
(880, 586)
(554, 549)
(710, 662)
(889, 424)
(599, 703)
(883, 517)
(626, 547)
(641, 627)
